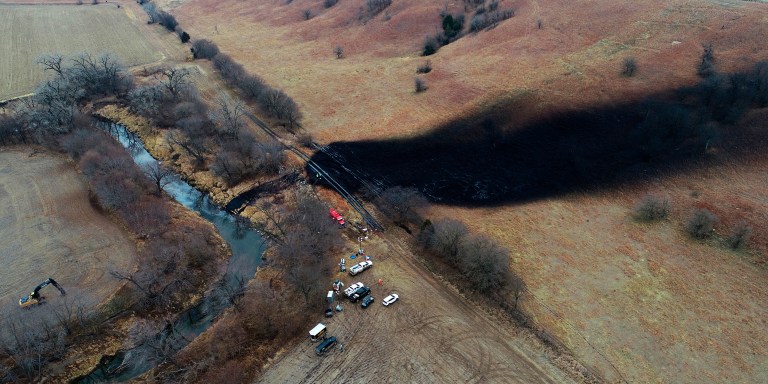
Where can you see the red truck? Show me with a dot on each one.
(336, 216)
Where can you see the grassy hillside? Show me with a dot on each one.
(638, 302)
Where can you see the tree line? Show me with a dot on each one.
(273, 102)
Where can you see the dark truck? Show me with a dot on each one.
(359, 294)
(325, 346)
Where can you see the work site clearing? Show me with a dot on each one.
(430, 335)
(50, 229)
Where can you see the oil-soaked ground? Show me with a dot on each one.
(476, 162)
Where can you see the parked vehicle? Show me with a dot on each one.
(390, 299)
(329, 312)
(368, 300)
(362, 266)
(352, 288)
(325, 346)
(317, 332)
(359, 294)
(336, 216)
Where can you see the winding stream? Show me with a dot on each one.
(247, 247)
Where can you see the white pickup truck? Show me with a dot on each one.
(360, 267)
(352, 288)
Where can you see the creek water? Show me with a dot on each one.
(247, 248)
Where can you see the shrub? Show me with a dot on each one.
(338, 52)
(431, 46)
(419, 84)
(424, 68)
(652, 208)
(740, 236)
(629, 67)
(330, 3)
(701, 224)
(376, 6)
(706, 67)
(184, 37)
(167, 20)
(484, 20)
(204, 49)
(305, 139)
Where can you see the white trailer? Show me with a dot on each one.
(317, 332)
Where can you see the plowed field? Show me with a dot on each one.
(32, 30)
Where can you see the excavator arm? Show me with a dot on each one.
(35, 298)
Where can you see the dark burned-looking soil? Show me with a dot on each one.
(476, 162)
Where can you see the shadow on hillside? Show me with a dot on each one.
(476, 162)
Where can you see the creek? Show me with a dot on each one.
(247, 248)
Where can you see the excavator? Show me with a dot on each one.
(35, 298)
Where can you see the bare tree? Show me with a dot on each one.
(159, 175)
(229, 116)
(52, 62)
(446, 239)
(273, 223)
(338, 52)
(173, 79)
(485, 264)
(401, 204)
(189, 145)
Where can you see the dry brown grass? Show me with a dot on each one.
(658, 305)
(50, 229)
(636, 301)
(32, 30)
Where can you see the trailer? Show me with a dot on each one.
(317, 332)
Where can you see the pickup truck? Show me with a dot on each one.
(359, 294)
(352, 288)
(357, 268)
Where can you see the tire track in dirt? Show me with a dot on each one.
(431, 335)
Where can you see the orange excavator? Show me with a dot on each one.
(35, 298)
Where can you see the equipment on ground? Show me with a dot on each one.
(35, 298)
(325, 346)
(318, 332)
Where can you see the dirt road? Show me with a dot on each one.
(48, 228)
(432, 335)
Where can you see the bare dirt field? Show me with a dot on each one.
(32, 30)
(50, 229)
(431, 335)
